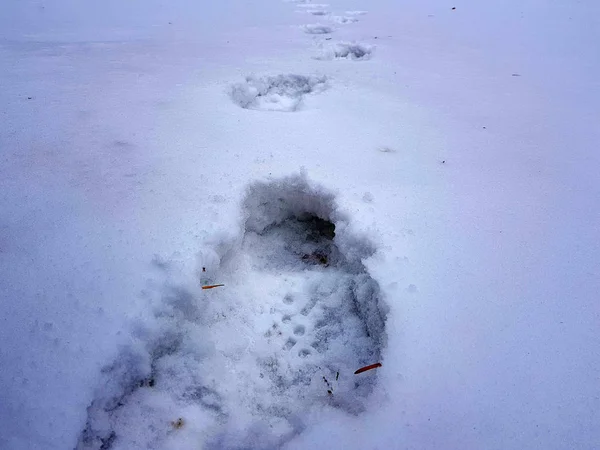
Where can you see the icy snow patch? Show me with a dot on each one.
(276, 93)
(243, 366)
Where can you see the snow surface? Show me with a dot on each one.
(417, 186)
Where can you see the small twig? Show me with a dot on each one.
(212, 286)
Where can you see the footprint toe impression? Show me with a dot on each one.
(299, 330)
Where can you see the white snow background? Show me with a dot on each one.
(454, 146)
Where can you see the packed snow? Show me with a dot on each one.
(213, 215)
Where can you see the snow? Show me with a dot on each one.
(416, 186)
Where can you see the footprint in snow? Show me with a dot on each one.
(276, 93)
(346, 50)
(317, 28)
(243, 365)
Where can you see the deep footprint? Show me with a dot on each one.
(291, 235)
(298, 308)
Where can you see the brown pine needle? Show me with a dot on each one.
(212, 286)
(364, 369)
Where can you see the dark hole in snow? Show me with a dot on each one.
(317, 228)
